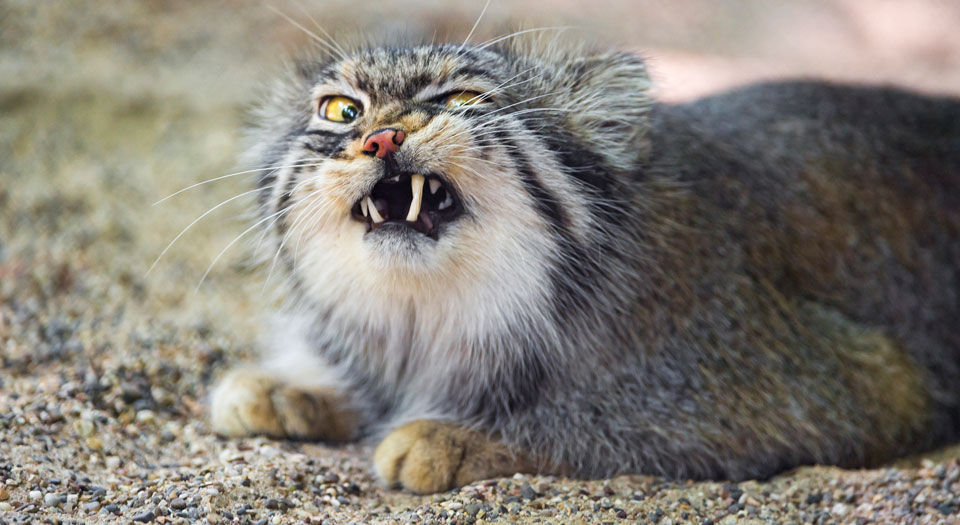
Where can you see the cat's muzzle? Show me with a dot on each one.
(423, 202)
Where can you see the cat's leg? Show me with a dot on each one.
(292, 393)
(250, 401)
(430, 456)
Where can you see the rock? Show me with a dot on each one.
(527, 491)
(35, 495)
(144, 517)
(51, 500)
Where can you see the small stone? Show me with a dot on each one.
(144, 517)
(51, 500)
(330, 477)
(35, 495)
(527, 491)
(5, 507)
(91, 506)
(112, 462)
(472, 509)
(210, 491)
(840, 509)
(145, 416)
(274, 504)
(178, 504)
(4, 495)
(112, 508)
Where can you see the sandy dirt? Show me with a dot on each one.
(105, 108)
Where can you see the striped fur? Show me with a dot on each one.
(624, 291)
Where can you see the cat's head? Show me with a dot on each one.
(420, 171)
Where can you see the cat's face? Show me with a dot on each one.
(416, 170)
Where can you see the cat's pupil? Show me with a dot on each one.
(349, 113)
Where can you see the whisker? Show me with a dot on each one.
(313, 161)
(474, 28)
(195, 221)
(313, 35)
(489, 43)
(228, 246)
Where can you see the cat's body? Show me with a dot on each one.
(724, 288)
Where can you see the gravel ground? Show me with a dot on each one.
(105, 369)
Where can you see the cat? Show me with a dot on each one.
(511, 258)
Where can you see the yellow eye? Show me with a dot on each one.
(340, 109)
(463, 98)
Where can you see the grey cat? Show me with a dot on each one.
(511, 258)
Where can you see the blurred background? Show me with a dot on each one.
(107, 107)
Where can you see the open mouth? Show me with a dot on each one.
(418, 201)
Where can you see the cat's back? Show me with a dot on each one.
(845, 196)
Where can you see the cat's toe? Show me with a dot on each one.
(241, 405)
(248, 402)
(430, 456)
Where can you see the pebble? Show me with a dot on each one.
(527, 491)
(51, 500)
(144, 517)
(91, 506)
(35, 495)
(112, 462)
(5, 507)
(178, 504)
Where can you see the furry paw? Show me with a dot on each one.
(430, 456)
(248, 402)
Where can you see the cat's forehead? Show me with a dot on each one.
(405, 71)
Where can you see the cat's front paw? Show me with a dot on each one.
(249, 402)
(430, 456)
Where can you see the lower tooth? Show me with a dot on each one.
(446, 203)
(374, 212)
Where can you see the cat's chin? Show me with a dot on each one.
(398, 244)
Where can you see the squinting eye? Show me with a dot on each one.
(340, 109)
(463, 98)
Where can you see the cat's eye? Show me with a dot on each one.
(340, 109)
(463, 98)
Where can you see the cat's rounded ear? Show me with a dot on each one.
(607, 97)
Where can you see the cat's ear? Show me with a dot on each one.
(606, 100)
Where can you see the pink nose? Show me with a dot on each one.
(383, 142)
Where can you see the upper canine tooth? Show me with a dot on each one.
(434, 186)
(374, 212)
(363, 206)
(416, 184)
